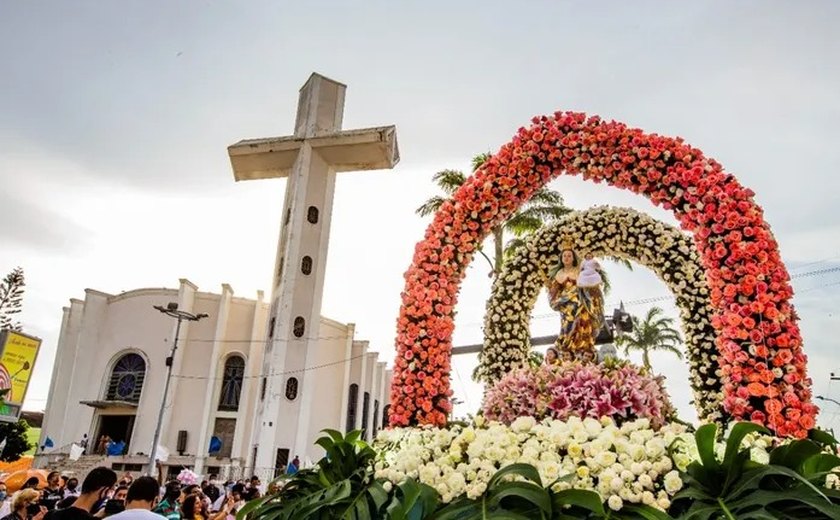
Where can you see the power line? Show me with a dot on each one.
(274, 374)
(809, 264)
(210, 340)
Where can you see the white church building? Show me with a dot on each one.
(260, 378)
(110, 370)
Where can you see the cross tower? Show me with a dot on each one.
(309, 159)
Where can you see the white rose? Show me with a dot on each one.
(615, 503)
(673, 482)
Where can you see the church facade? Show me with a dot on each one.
(110, 371)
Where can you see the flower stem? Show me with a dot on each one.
(725, 510)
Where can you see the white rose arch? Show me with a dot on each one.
(605, 231)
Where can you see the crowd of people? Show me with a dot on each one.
(103, 495)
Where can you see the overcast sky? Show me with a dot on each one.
(115, 118)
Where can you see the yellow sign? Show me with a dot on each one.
(17, 361)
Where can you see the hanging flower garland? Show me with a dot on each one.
(605, 231)
(759, 342)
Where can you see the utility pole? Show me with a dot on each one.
(172, 311)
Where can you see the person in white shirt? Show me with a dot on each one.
(142, 497)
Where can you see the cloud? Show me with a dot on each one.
(30, 224)
(116, 117)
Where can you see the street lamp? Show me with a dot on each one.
(172, 311)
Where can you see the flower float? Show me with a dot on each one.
(762, 365)
(614, 389)
(621, 232)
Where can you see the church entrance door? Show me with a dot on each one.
(281, 460)
(117, 427)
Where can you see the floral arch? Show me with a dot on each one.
(759, 344)
(622, 232)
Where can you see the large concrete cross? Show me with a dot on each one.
(310, 159)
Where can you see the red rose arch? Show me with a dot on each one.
(759, 345)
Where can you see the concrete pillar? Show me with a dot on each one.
(357, 425)
(251, 383)
(186, 302)
(207, 423)
(345, 388)
(62, 369)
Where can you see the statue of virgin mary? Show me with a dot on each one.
(581, 308)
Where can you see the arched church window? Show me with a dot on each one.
(365, 415)
(299, 327)
(127, 376)
(232, 378)
(312, 215)
(352, 405)
(306, 265)
(291, 388)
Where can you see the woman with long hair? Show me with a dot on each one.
(195, 508)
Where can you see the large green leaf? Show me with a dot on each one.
(521, 497)
(463, 509)
(525, 471)
(822, 437)
(412, 501)
(763, 498)
(736, 436)
(584, 499)
(643, 512)
(705, 438)
(819, 464)
(794, 454)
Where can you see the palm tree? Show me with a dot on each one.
(655, 332)
(545, 206)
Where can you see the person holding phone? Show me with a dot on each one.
(25, 506)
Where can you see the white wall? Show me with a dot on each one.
(96, 332)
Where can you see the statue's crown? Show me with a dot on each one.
(566, 242)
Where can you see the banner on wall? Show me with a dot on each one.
(18, 353)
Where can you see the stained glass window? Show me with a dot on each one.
(127, 378)
(232, 383)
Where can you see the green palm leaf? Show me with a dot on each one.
(655, 332)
